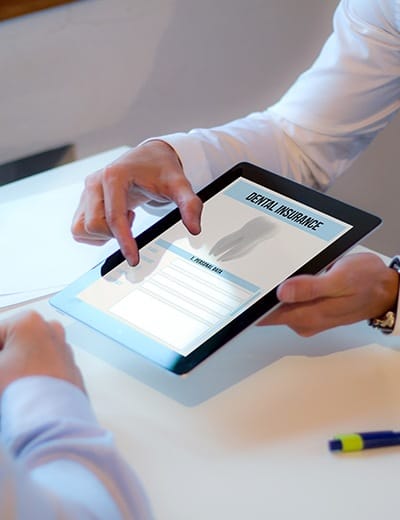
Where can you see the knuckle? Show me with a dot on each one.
(90, 229)
(311, 288)
(77, 229)
(31, 318)
(33, 315)
(112, 220)
(109, 174)
(91, 181)
(94, 226)
(58, 328)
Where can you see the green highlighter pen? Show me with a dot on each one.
(364, 441)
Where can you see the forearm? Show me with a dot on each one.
(325, 120)
(261, 138)
(63, 461)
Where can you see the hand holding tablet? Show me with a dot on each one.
(189, 295)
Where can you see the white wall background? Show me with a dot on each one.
(102, 73)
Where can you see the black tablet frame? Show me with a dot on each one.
(362, 223)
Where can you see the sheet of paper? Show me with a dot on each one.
(38, 251)
(9, 300)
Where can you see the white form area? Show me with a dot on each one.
(180, 303)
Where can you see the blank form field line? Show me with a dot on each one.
(159, 320)
(191, 298)
(181, 302)
(198, 290)
(211, 280)
(190, 309)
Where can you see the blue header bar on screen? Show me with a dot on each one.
(286, 210)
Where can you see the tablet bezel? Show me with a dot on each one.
(361, 221)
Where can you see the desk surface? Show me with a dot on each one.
(245, 434)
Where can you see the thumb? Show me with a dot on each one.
(306, 288)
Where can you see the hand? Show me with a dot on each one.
(151, 171)
(357, 287)
(29, 346)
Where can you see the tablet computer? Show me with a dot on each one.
(189, 295)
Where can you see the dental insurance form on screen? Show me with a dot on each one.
(186, 287)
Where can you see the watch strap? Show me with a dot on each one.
(386, 323)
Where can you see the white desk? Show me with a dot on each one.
(244, 436)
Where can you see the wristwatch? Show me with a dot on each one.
(386, 322)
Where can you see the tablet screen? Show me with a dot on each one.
(187, 289)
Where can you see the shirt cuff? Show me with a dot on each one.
(29, 402)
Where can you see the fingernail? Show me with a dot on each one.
(286, 293)
(129, 258)
(134, 260)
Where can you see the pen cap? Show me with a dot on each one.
(335, 445)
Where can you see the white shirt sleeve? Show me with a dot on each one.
(326, 119)
(57, 462)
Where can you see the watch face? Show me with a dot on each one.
(395, 263)
(385, 323)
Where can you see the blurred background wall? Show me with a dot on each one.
(97, 74)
